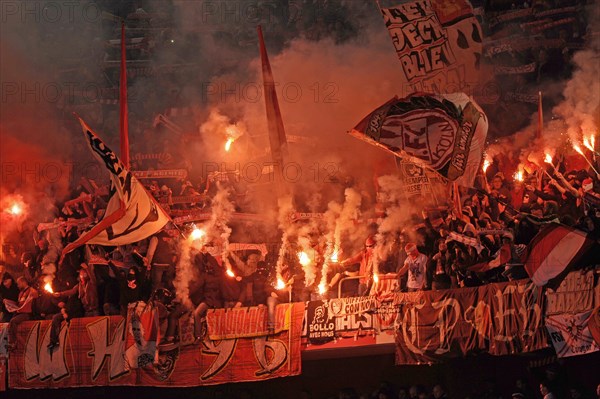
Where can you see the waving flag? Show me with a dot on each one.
(553, 251)
(445, 133)
(131, 215)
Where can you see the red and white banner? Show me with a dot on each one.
(197, 215)
(92, 352)
(439, 44)
(246, 322)
(160, 174)
(499, 319)
(445, 133)
(570, 334)
(552, 251)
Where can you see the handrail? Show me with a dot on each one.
(345, 279)
(387, 276)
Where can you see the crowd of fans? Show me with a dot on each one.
(478, 241)
(438, 249)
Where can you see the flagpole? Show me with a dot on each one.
(540, 116)
(123, 111)
(277, 137)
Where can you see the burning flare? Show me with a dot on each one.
(230, 273)
(15, 209)
(280, 284)
(228, 144)
(303, 258)
(48, 288)
(334, 256)
(589, 142)
(233, 133)
(322, 288)
(486, 164)
(548, 158)
(577, 148)
(518, 176)
(376, 278)
(197, 234)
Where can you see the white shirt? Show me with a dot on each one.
(416, 271)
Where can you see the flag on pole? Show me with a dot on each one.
(443, 132)
(123, 115)
(131, 214)
(553, 251)
(277, 138)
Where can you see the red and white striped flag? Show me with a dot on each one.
(553, 251)
(131, 214)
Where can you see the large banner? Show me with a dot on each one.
(246, 322)
(499, 319)
(445, 133)
(439, 44)
(92, 352)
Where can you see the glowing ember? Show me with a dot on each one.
(197, 234)
(48, 288)
(322, 288)
(548, 159)
(303, 258)
(230, 273)
(15, 209)
(280, 284)
(376, 278)
(518, 176)
(228, 144)
(486, 164)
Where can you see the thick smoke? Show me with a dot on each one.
(576, 115)
(216, 232)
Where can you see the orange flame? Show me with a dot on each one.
(518, 176)
(197, 234)
(228, 144)
(589, 142)
(548, 158)
(48, 288)
(334, 256)
(577, 148)
(303, 258)
(280, 284)
(230, 273)
(376, 278)
(486, 164)
(15, 209)
(322, 288)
